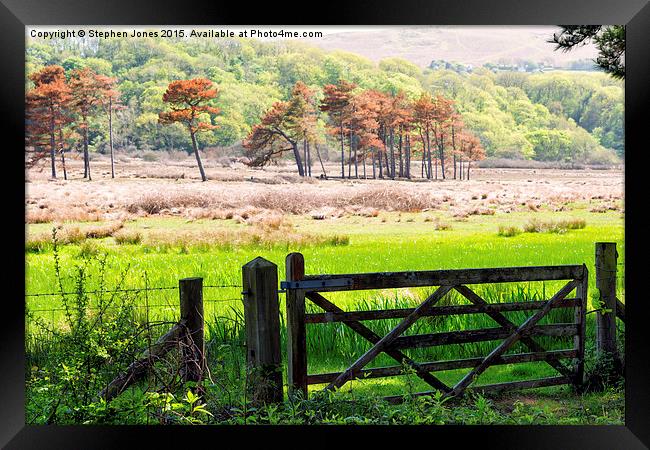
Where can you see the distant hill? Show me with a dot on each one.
(474, 45)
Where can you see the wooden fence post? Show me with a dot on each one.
(606, 316)
(191, 296)
(262, 316)
(296, 338)
(580, 316)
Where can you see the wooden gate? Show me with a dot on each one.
(300, 287)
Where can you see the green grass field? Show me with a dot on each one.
(388, 242)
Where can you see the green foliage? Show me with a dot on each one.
(508, 231)
(68, 364)
(515, 114)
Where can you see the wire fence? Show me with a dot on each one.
(157, 301)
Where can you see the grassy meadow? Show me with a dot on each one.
(156, 250)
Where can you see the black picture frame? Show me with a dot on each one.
(16, 14)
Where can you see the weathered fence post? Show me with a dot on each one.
(191, 296)
(262, 316)
(580, 316)
(296, 338)
(606, 315)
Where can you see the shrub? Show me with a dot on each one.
(508, 231)
(537, 226)
(71, 363)
(103, 231)
(132, 237)
(338, 240)
(89, 249)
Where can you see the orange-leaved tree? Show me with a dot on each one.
(471, 148)
(444, 115)
(336, 103)
(363, 128)
(188, 100)
(46, 106)
(87, 92)
(423, 118)
(282, 128)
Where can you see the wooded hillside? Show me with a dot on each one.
(556, 116)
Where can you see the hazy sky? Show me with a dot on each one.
(419, 44)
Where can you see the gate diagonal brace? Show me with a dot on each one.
(473, 374)
(385, 341)
(504, 322)
(373, 338)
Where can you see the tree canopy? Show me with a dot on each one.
(505, 110)
(610, 41)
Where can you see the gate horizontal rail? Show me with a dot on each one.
(425, 278)
(354, 316)
(482, 335)
(440, 366)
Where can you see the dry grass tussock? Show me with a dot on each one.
(170, 187)
(69, 214)
(216, 204)
(158, 202)
(66, 234)
(266, 235)
(472, 211)
(127, 237)
(538, 226)
(562, 226)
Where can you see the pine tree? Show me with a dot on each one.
(188, 100)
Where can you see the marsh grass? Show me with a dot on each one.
(536, 225)
(508, 231)
(131, 237)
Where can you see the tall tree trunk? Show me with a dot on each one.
(86, 155)
(321, 161)
(65, 174)
(364, 165)
(296, 154)
(469, 163)
(392, 154)
(304, 153)
(424, 155)
(110, 134)
(342, 153)
(429, 154)
(453, 147)
(381, 169)
(356, 162)
(350, 156)
(401, 157)
(198, 157)
(52, 146)
(408, 156)
(442, 159)
(309, 158)
(374, 173)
